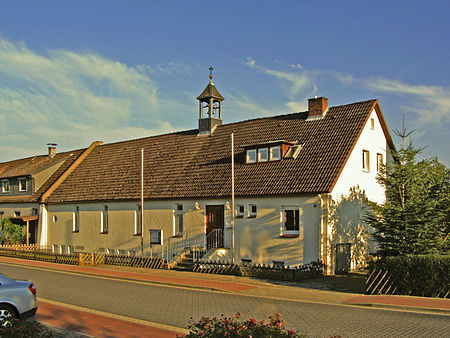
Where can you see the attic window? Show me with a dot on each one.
(293, 151)
(5, 186)
(275, 153)
(263, 155)
(23, 184)
(251, 156)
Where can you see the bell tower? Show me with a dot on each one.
(210, 108)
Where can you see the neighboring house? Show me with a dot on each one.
(287, 169)
(24, 182)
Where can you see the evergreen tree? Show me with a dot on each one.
(415, 217)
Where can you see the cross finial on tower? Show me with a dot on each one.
(210, 74)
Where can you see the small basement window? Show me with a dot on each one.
(251, 156)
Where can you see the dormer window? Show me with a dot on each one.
(275, 153)
(5, 186)
(263, 155)
(251, 156)
(22, 184)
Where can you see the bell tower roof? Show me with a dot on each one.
(210, 90)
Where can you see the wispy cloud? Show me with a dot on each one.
(431, 103)
(74, 98)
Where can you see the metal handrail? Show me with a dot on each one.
(214, 239)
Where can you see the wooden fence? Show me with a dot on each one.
(82, 258)
(382, 282)
(307, 271)
(40, 256)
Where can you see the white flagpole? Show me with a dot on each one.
(232, 197)
(142, 201)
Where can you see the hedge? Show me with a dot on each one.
(418, 275)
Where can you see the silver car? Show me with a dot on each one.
(17, 300)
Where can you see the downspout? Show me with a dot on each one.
(324, 252)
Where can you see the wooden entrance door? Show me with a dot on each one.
(214, 226)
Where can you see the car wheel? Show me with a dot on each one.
(7, 315)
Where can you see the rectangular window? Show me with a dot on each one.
(263, 155)
(138, 221)
(5, 186)
(76, 219)
(104, 220)
(22, 184)
(70, 250)
(251, 156)
(156, 237)
(240, 211)
(179, 219)
(110, 251)
(1, 215)
(17, 213)
(34, 212)
(366, 160)
(291, 220)
(275, 153)
(131, 253)
(252, 210)
(122, 252)
(379, 162)
(372, 124)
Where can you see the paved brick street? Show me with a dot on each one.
(172, 305)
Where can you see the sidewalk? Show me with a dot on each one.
(249, 286)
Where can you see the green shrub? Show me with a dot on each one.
(11, 232)
(418, 275)
(25, 329)
(237, 327)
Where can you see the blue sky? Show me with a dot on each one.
(74, 72)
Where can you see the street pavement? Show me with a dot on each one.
(171, 298)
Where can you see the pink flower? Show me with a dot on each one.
(201, 332)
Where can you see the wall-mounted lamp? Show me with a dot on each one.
(197, 206)
(227, 205)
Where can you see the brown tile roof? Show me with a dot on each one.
(184, 165)
(29, 166)
(210, 91)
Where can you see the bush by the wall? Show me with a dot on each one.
(25, 329)
(418, 275)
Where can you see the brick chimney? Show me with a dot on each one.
(317, 106)
(51, 150)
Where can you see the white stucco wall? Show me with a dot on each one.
(353, 174)
(258, 238)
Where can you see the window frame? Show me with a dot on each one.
(240, 214)
(271, 153)
(262, 151)
(247, 156)
(104, 220)
(252, 214)
(366, 160)
(137, 221)
(372, 123)
(76, 219)
(178, 222)
(5, 183)
(21, 179)
(295, 209)
(379, 163)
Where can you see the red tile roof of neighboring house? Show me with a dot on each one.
(184, 165)
(31, 165)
